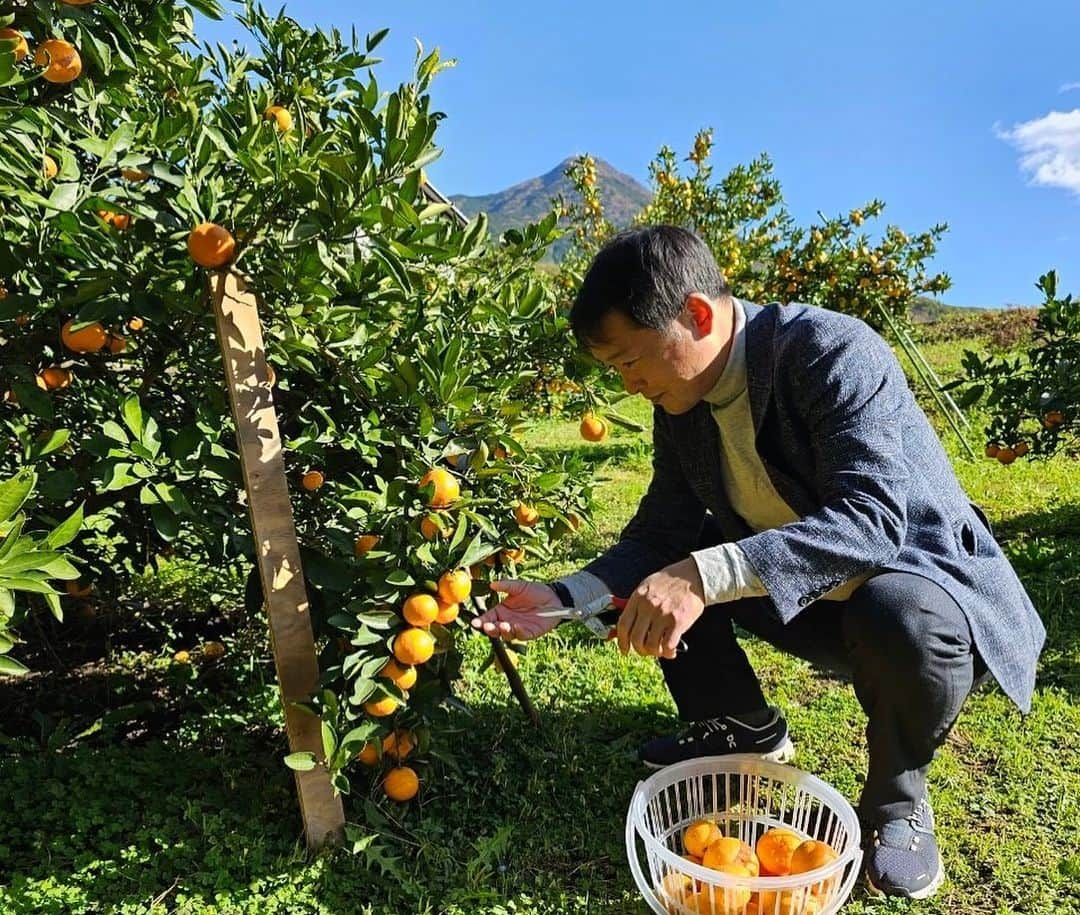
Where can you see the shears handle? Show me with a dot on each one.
(619, 603)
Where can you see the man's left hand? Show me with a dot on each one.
(661, 609)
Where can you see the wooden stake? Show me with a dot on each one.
(277, 551)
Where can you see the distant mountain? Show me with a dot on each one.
(623, 196)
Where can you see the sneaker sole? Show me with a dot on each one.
(925, 893)
(783, 754)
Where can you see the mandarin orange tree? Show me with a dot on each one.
(1033, 398)
(763, 252)
(400, 343)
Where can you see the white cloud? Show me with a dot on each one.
(1049, 149)
(1068, 87)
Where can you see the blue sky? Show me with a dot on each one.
(959, 112)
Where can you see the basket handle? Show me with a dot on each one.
(642, 882)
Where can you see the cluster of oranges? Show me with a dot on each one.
(414, 645)
(401, 783)
(1006, 454)
(778, 852)
(87, 339)
(58, 59)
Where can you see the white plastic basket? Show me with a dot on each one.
(745, 795)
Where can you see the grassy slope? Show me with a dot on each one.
(199, 815)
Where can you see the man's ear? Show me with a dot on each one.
(700, 310)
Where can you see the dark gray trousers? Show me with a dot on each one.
(902, 640)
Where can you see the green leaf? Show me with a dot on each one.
(464, 398)
(55, 441)
(165, 522)
(375, 38)
(113, 430)
(60, 568)
(12, 667)
(63, 198)
(303, 761)
(33, 585)
(53, 600)
(400, 579)
(118, 142)
(359, 736)
(329, 740)
(27, 561)
(476, 551)
(14, 492)
(133, 417)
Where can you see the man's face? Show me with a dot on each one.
(671, 369)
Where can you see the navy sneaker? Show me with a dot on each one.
(902, 857)
(719, 736)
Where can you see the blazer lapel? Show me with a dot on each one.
(760, 323)
(760, 363)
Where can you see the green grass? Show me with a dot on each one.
(179, 803)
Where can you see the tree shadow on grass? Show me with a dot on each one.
(595, 457)
(197, 811)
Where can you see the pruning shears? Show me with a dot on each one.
(599, 616)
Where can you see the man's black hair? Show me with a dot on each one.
(645, 273)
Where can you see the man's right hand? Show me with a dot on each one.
(514, 617)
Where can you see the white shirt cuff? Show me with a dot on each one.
(726, 574)
(584, 587)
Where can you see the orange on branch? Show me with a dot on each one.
(312, 480)
(448, 612)
(120, 221)
(365, 543)
(60, 60)
(21, 47)
(210, 245)
(430, 528)
(398, 745)
(455, 586)
(279, 115)
(414, 646)
(53, 378)
(593, 428)
(512, 554)
(380, 708)
(401, 677)
(87, 339)
(420, 610)
(49, 168)
(401, 784)
(526, 515)
(446, 491)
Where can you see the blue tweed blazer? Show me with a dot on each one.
(849, 449)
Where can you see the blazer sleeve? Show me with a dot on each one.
(850, 393)
(666, 527)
